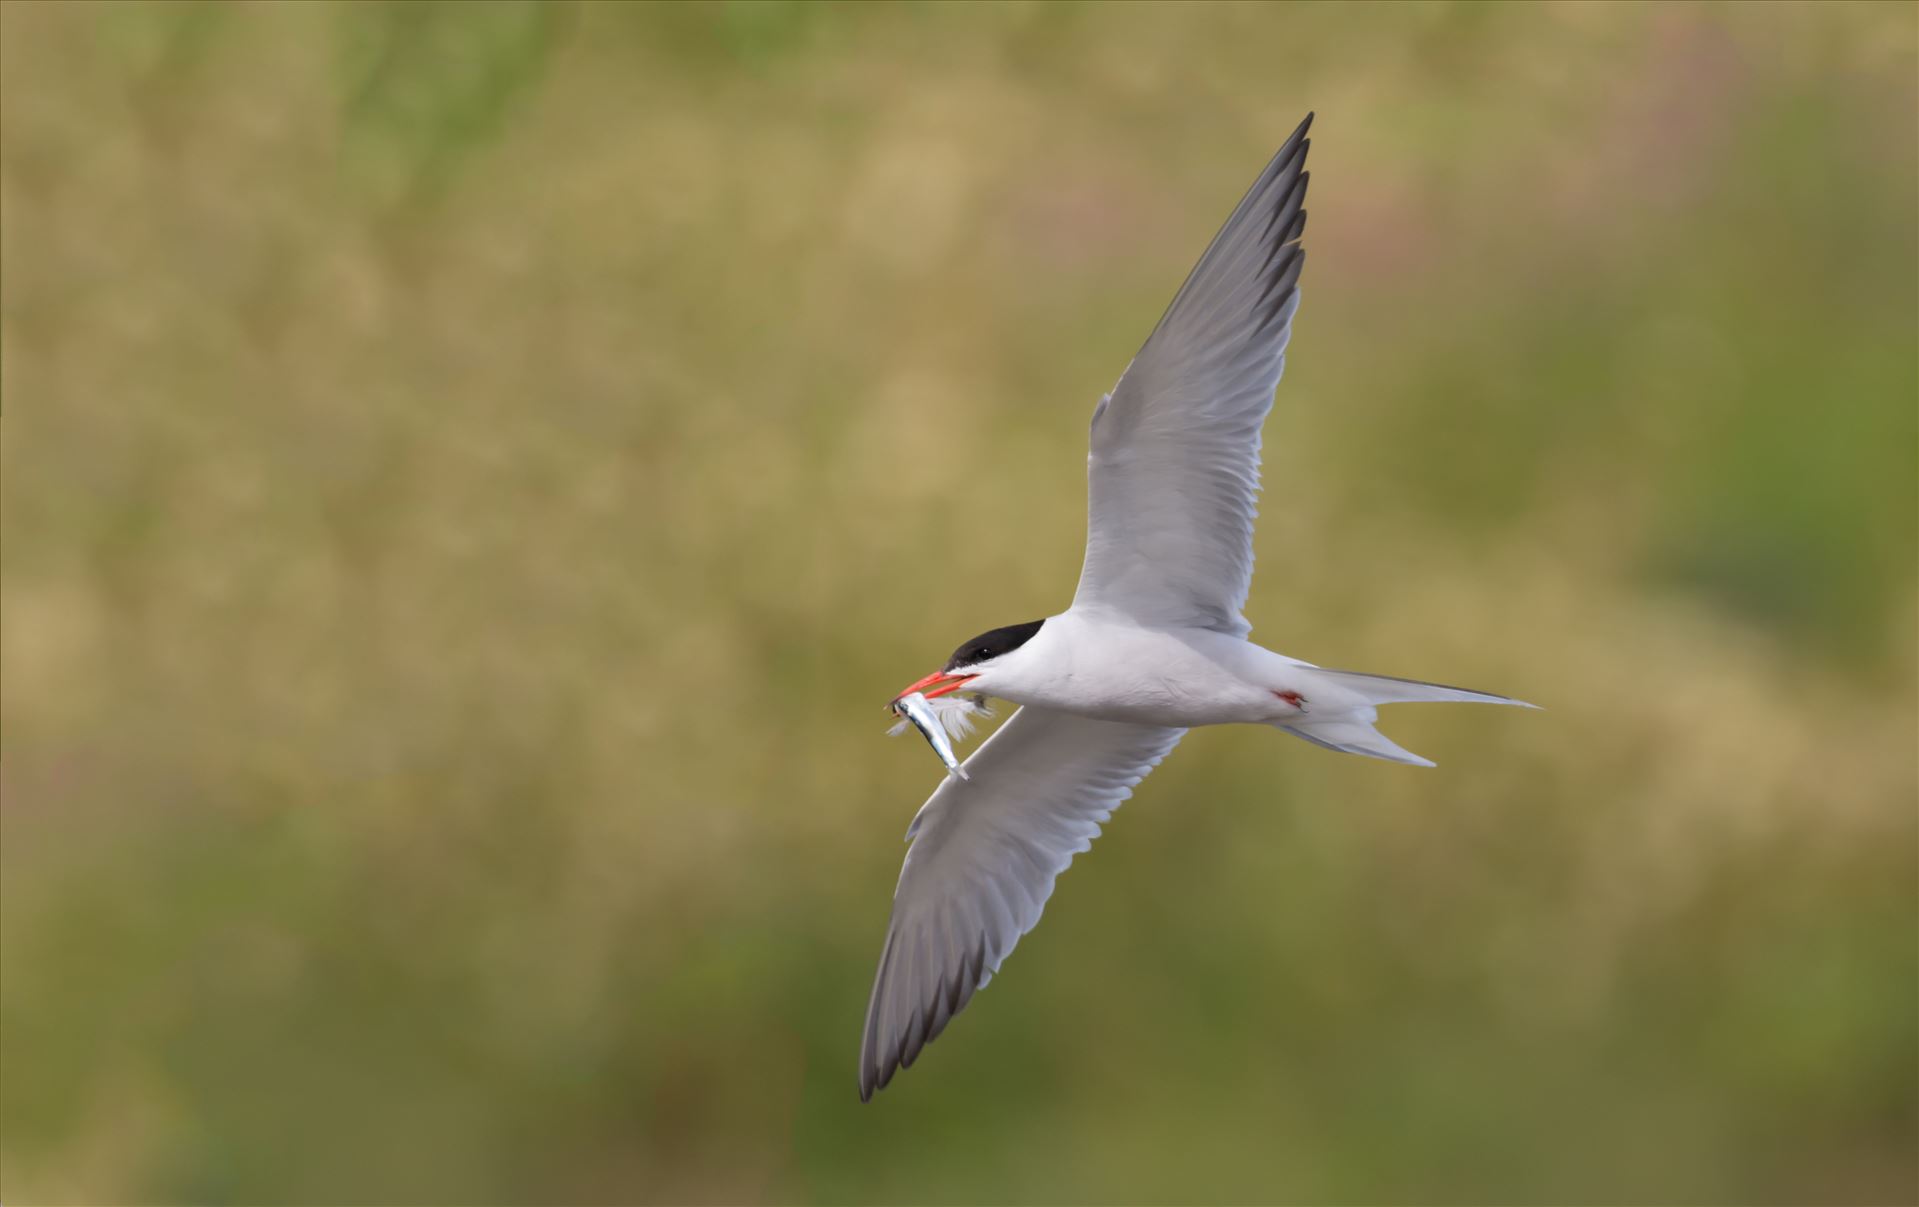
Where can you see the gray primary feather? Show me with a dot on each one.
(984, 857)
(1174, 468)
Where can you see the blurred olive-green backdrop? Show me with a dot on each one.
(473, 474)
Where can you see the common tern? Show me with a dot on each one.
(1152, 645)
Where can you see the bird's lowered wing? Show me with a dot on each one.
(984, 855)
(1174, 466)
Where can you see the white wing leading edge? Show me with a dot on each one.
(985, 853)
(1174, 467)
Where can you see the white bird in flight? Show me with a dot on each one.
(1152, 645)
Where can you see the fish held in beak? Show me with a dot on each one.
(952, 715)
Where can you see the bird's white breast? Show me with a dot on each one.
(1114, 670)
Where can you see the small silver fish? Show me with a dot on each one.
(916, 708)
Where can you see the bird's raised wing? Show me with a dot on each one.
(1174, 466)
(985, 853)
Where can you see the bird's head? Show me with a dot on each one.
(983, 664)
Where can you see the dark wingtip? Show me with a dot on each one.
(873, 1079)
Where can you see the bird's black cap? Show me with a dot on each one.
(992, 644)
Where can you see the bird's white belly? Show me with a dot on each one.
(1156, 677)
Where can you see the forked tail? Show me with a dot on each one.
(1343, 718)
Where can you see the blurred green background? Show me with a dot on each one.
(472, 475)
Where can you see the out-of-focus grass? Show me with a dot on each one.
(472, 473)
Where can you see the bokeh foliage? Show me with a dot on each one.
(473, 472)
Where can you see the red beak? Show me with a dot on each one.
(939, 683)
